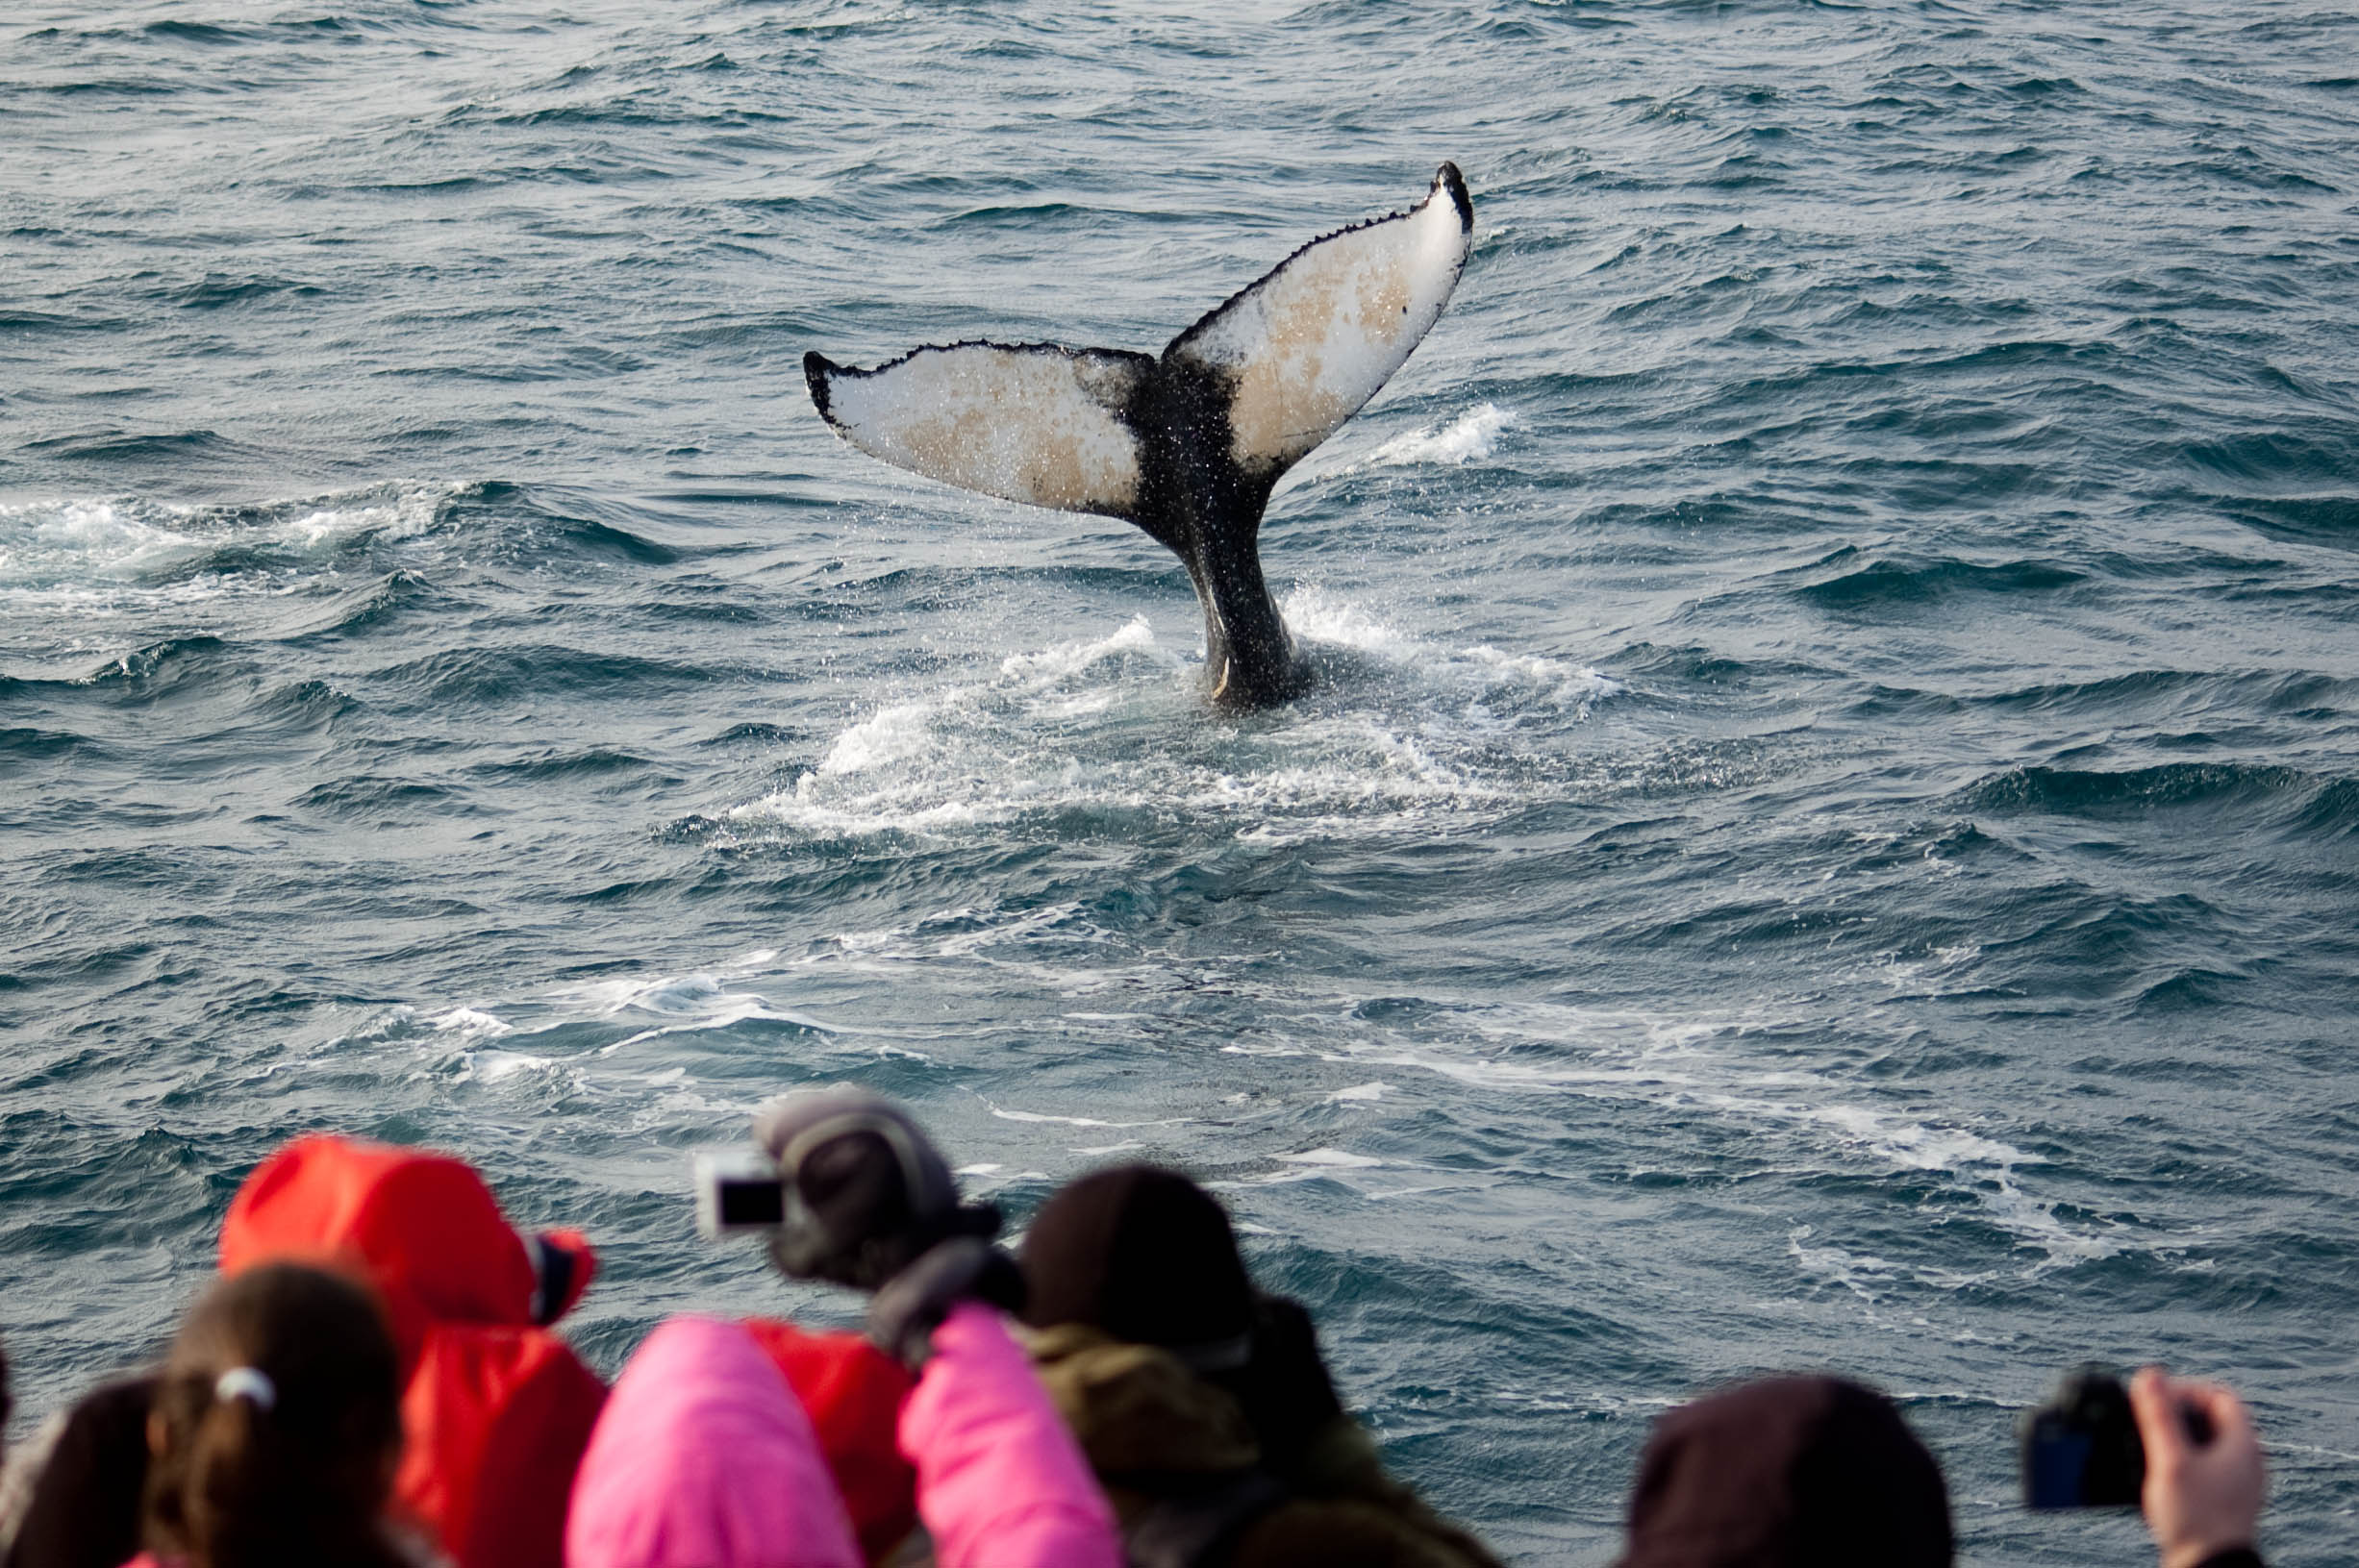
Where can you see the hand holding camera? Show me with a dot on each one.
(2204, 1479)
(2185, 1452)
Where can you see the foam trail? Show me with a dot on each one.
(1687, 1064)
(103, 574)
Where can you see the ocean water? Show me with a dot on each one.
(1827, 836)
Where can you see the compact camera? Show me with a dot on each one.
(2081, 1448)
(738, 1193)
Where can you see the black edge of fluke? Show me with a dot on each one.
(1447, 177)
(815, 366)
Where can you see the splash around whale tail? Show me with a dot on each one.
(1286, 360)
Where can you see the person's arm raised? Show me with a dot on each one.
(2204, 1476)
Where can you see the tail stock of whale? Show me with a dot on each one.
(1189, 445)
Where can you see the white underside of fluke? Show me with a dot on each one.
(1311, 342)
(1296, 354)
(1032, 423)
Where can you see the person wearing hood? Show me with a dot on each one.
(495, 1407)
(1203, 1404)
(702, 1460)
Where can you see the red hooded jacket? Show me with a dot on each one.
(496, 1409)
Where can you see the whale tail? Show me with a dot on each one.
(1294, 353)
(1186, 446)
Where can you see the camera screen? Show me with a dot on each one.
(751, 1202)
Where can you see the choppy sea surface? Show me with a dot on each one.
(1827, 838)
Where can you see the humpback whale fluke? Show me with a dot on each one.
(1186, 446)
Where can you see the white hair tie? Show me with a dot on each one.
(246, 1383)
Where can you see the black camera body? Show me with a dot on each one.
(2081, 1448)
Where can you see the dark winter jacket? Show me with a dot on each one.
(1194, 1486)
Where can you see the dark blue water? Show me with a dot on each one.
(1829, 838)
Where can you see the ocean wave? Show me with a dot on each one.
(123, 577)
(2136, 792)
(1905, 583)
(384, 800)
(29, 743)
(159, 667)
(134, 449)
(2328, 520)
(506, 673)
(373, 606)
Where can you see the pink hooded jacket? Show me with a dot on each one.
(703, 1459)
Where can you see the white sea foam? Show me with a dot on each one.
(103, 572)
(1481, 687)
(1007, 1115)
(471, 1024)
(46, 545)
(57, 544)
(1871, 1279)
(1470, 437)
(690, 1003)
(1068, 660)
(1085, 732)
(492, 1066)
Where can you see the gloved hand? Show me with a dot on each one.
(866, 1193)
(906, 1312)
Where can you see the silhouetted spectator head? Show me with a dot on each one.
(1788, 1473)
(1145, 1254)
